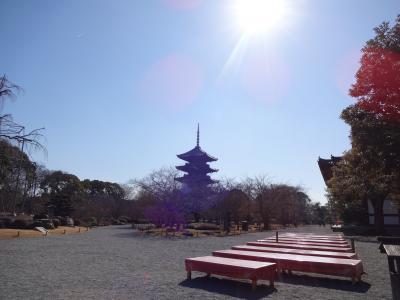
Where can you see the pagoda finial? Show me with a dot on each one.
(198, 134)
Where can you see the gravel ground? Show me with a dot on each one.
(118, 263)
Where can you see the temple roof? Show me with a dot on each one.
(190, 167)
(196, 179)
(196, 154)
(325, 166)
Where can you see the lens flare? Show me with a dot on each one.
(260, 16)
(172, 83)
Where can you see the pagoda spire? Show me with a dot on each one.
(198, 135)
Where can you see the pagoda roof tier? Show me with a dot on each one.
(196, 180)
(189, 168)
(196, 154)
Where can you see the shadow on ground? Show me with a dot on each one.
(232, 288)
(329, 283)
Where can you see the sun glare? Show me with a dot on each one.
(260, 16)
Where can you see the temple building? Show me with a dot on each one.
(325, 166)
(196, 168)
(391, 211)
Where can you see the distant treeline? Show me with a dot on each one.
(32, 189)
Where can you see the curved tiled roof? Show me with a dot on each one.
(325, 166)
(196, 154)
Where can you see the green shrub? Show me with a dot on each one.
(37, 223)
(20, 224)
(115, 222)
(67, 221)
(40, 217)
(124, 219)
(56, 222)
(48, 224)
(7, 221)
(203, 226)
(92, 221)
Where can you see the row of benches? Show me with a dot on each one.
(261, 260)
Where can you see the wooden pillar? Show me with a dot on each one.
(271, 283)
(353, 247)
(253, 284)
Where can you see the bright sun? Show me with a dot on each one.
(260, 16)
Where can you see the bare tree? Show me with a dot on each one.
(9, 129)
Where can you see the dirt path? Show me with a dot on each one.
(116, 263)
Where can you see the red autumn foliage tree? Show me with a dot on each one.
(378, 80)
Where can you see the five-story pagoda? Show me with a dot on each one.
(197, 169)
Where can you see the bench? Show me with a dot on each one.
(313, 238)
(343, 255)
(393, 256)
(310, 236)
(313, 234)
(333, 242)
(352, 268)
(297, 246)
(235, 268)
(387, 240)
(280, 240)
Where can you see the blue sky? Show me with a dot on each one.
(120, 85)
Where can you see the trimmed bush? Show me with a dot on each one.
(203, 226)
(40, 217)
(92, 221)
(48, 224)
(7, 221)
(77, 222)
(124, 219)
(56, 222)
(67, 221)
(115, 222)
(37, 223)
(140, 221)
(20, 224)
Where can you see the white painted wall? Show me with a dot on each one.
(389, 207)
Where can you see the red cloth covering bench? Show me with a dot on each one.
(235, 268)
(333, 242)
(352, 268)
(310, 236)
(297, 246)
(343, 255)
(281, 240)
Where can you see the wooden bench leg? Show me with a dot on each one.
(253, 284)
(189, 275)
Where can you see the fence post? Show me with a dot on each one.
(276, 237)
